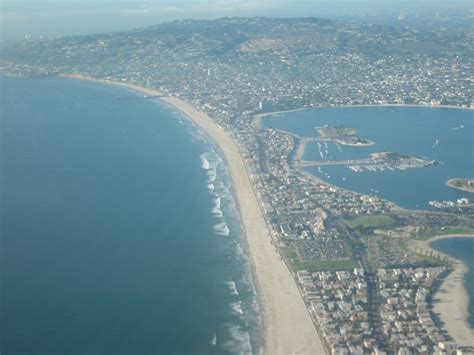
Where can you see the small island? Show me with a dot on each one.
(343, 135)
(461, 184)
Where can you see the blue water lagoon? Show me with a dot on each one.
(120, 234)
(441, 134)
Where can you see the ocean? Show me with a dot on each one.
(119, 230)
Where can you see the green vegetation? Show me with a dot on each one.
(370, 221)
(424, 260)
(429, 261)
(289, 253)
(444, 231)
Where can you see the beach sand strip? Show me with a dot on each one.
(452, 300)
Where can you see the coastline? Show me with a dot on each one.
(281, 113)
(452, 300)
(287, 326)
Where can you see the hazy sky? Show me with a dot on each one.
(19, 18)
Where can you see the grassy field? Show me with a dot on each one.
(289, 253)
(370, 221)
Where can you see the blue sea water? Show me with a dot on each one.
(461, 249)
(119, 231)
(436, 133)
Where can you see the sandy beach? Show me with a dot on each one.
(287, 326)
(452, 300)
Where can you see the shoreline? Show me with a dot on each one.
(260, 116)
(286, 324)
(451, 302)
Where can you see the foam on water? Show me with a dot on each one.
(242, 335)
(232, 288)
(240, 252)
(214, 160)
(216, 210)
(222, 229)
(237, 308)
(245, 307)
(239, 342)
(212, 175)
(235, 336)
(204, 162)
(213, 341)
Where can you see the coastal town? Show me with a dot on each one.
(338, 302)
(366, 286)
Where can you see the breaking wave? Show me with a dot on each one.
(204, 162)
(212, 175)
(237, 308)
(240, 333)
(216, 210)
(239, 342)
(222, 229)
(232, 288)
